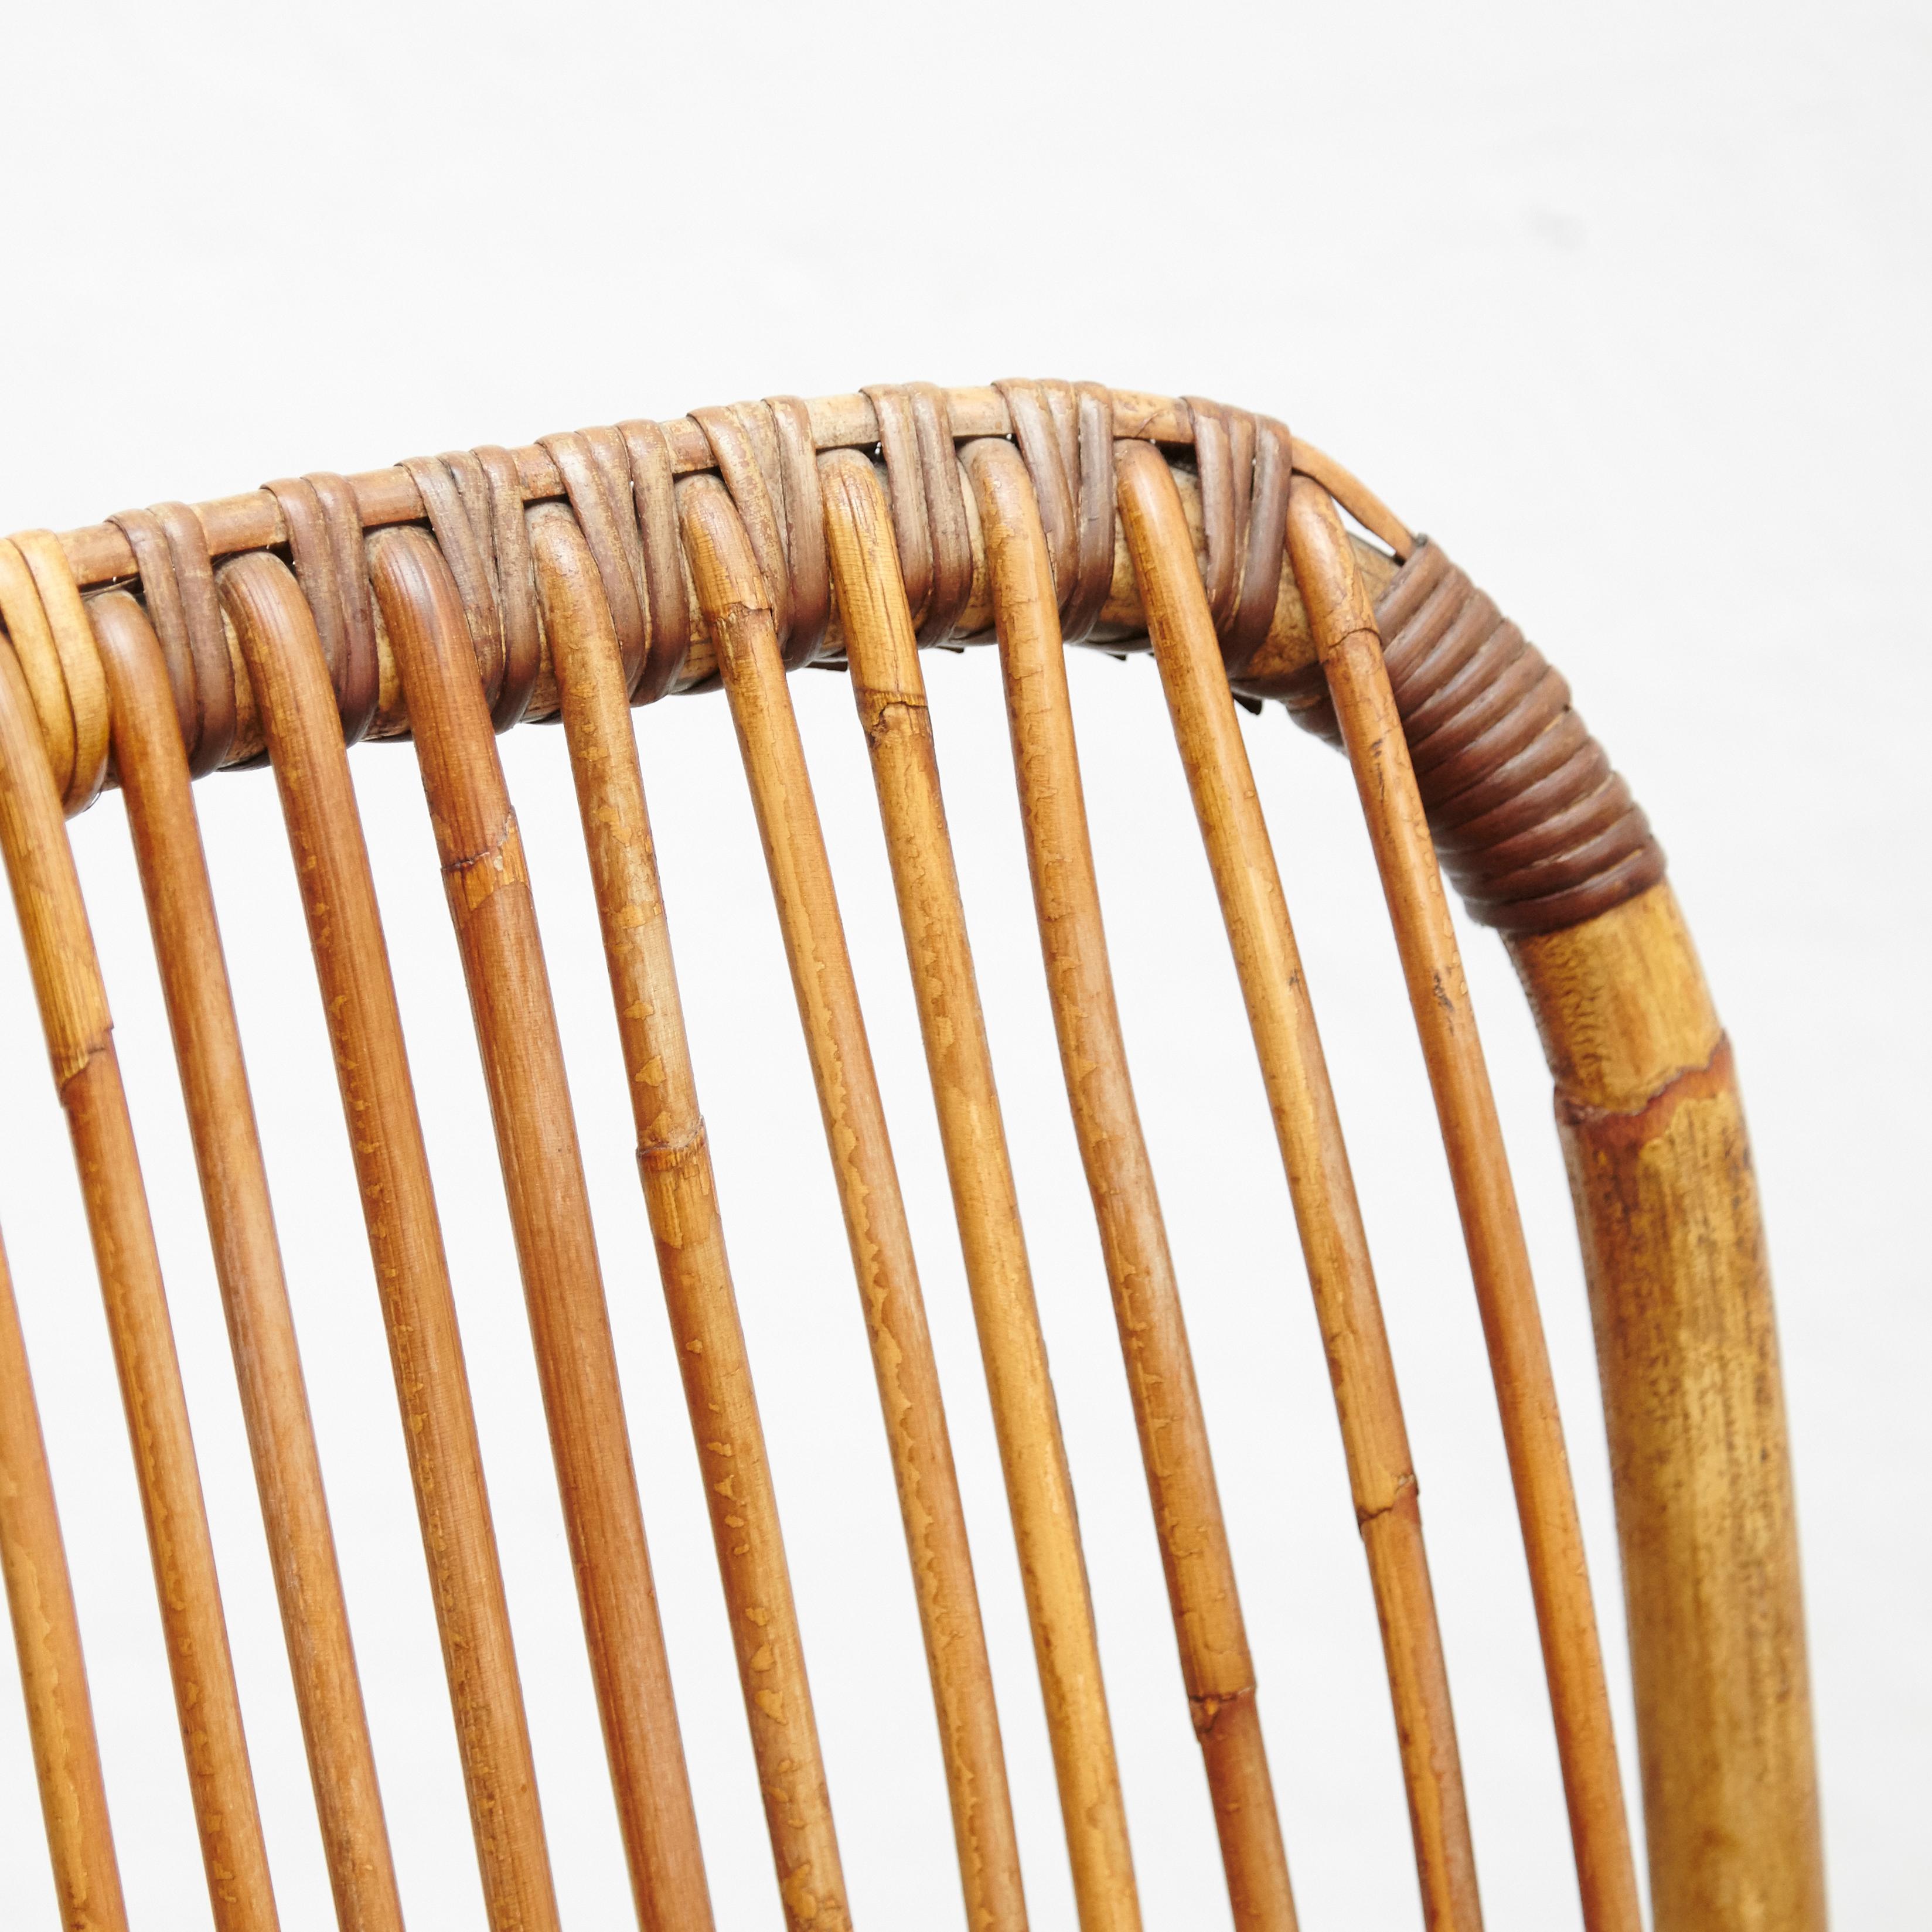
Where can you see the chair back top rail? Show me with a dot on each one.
(1557, 836)
(253, 519)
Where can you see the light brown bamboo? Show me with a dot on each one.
(1343, 622)
(890, 693)
(1361, 502)
(277, 638)
(486, 880)
(1216, 1666)
(75, 1018)
(41, 607)
(154, 772)
(47, 1641)
(736, 605)
(1242, 859)
(1666, 1202)
(680, 1194)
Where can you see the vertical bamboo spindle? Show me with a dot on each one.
(1343, 623)
(487, 882)
(737, 606)
(890, 693)
(1216, 1667)
(74, 1016)
(674, 1161)
(46, 1640)
(152, 766)
(304, 734)
(1242, 859)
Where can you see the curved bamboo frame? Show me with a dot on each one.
(607, 567)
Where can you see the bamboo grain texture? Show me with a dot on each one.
(1351, 650)
(732, 593)
(486, 881)
(154, 774)
(448, 597)
(1654, 1136)
(73, 1011)
(681, 1196)
(890, 694)
(278, 641)
(1334, 1244)
(46, 1640)
(1217, 1671)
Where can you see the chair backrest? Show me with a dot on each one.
(450, 598)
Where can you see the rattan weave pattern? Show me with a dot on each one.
(1535, 829)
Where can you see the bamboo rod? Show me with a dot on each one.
(99, 552)
(674, 1163)
(252, 520)
(1672, 1235)
(154, 774)
(1303, 1103)
(1344, 626)
(41, 607)
(890, 694)
(277, 638)
(487, 881)
(46, 1641)
(737, 606)
(1216, 1666)
(79, 1029)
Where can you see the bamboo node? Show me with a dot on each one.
(1205, 1709)
(1405, 1498)
(498, 864)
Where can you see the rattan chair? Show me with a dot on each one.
(448, 598)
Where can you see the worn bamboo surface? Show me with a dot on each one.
(1216, 1669)
(1344, 625)
(1647, 1103)
(74, 1017)
(618, 482)
(486, 880)
(154, 775)
(46, 1640)
(277, 639)
(1302, 1104)
(890, 693)
(1660, 1164)
(254, 520)
(680, 1194)
(736, 603)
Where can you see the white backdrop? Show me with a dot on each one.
(1628, 307)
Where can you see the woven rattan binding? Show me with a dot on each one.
(456, 595)
(1488, 719)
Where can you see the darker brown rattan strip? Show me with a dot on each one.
(1534, 828)
(1516, 792)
